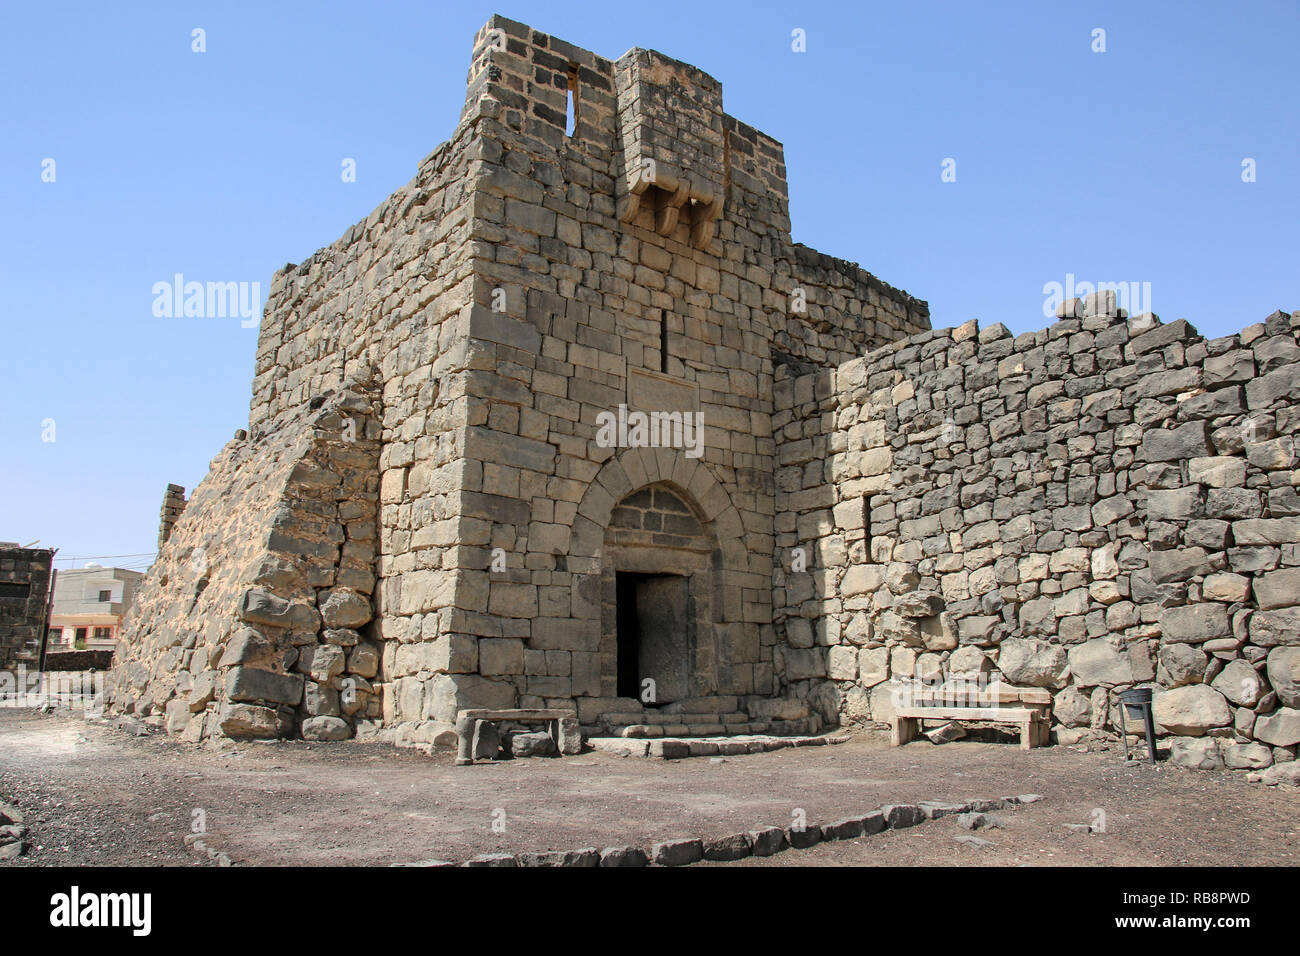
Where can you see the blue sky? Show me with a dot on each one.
(1122, 166)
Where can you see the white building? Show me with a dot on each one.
(89, 604)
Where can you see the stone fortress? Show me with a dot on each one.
(422, 516)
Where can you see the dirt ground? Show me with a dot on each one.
(93, 795)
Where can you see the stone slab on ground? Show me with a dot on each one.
(676, 748)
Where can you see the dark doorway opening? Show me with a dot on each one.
(654, 636)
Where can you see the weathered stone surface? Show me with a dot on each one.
(262, 607)
(735, 847)
(1196, 753)
(247, 720)
(321, 662)
(247, 644)
(766, 841)
(1071, 708)
(918, 604)
(969, 662)
(1284, 675)
(250, 683)
(345, 608)
(1179, 564)
(978, 629)
(534, 744)
(803, 837)
(1195, 623)
(1100, 662)
(1032, 663)
(1190, 710)
(624, 856)
(873, 666)
(1185, 441)
(1275, 628)
(1240, 684)
(1246, 756)
(326, 728)
(320, 700)
(1278, 589)
(900, 815)
(1280, 728)
(1181, 664)
(677, 852)
(486, 741)
(586, 857)
(1286, 774)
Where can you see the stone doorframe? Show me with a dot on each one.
(692, 481)
(696, 565)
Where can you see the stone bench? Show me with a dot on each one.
(1029, 710)
(562, 725)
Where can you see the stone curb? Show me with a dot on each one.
(763, 841)
(678, 748)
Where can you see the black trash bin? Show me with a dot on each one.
(1136, 703)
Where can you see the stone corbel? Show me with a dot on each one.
(674, 190)
(668, 205)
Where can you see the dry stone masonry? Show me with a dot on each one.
(24, 602)
(1104, 504)
(426, 514)
(172, 506)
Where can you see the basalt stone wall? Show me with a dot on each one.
(78, 660)
(24, 596)
(1108, 503)
(256, 618)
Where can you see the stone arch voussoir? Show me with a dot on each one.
(638, 467)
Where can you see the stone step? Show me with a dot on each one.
(696, 725)
(674, 748)
(663, 717)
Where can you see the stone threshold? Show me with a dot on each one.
(676, 748)
(764, 841)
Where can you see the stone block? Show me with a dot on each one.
(326, 728)
(1191, 710)
(1278, 589)
(1280, 728)
(1195, 623)
(254, 684)
(677, 852)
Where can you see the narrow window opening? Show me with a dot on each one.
(571, 124)
(663, 341)
(866, 524)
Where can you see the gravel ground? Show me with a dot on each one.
(93, 795)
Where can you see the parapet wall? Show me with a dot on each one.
(1106, 503)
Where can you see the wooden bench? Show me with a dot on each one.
(1029, 709)
(562, 725)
